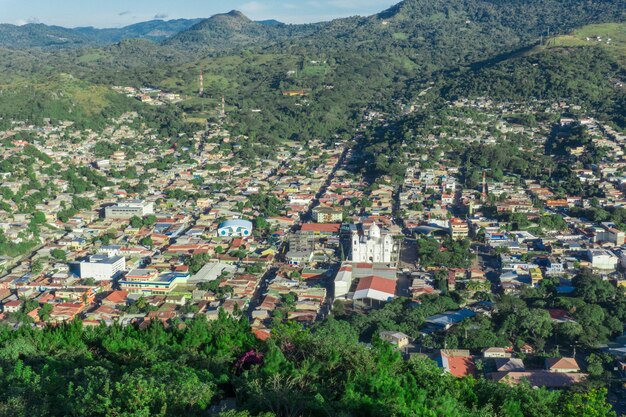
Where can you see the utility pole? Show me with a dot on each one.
(484, 193)
(201, 90)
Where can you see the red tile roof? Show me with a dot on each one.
(321, 227)
(377, 283)
(117, 296)
(539, 378)
(261, 334)
(460, 365)
(562, 363)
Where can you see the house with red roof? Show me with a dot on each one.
(375, 288)
(458, 362)
(321, 228)
(564, 365)
(34, 314)
(65, 311)
(261, 333)
(116, 298)
(539, 378)
(12, 306)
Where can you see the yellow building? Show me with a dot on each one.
(535, 276)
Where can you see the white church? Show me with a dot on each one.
(373, 247)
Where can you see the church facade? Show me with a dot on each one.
(373, 246)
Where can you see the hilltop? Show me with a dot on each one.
(154, 30)
(234, 29)
(38, 35)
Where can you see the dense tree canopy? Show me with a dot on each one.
(183, 370)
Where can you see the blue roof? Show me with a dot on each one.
(450, 317)
(565, 289)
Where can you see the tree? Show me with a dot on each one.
(135, 222)
(339, 308)
(592, 288)
(39, 218)
(147, 241)
(197, 261)
(30, 305)
(37, 266)
(44, 311)
(595, 365)
(59, 254)
(261, 223)
(589, 404)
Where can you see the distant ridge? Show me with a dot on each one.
(234, 29)
(40, 35)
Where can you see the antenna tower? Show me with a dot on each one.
(201, 91)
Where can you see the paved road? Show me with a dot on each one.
(408, 254)
(261, 289)
(271, 273)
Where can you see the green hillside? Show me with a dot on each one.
(587, 72)
(60, 98)
(347, 64)
(609, 36)
(233, 30)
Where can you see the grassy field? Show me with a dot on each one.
(596, 35)
(314, 70)
(400, 36)
(90, 57)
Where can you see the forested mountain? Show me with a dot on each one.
(440, 33)
(43, 36)
(154, 30)
(569, 68)
(36, 35)
(234, 29)
(347, 64)
(582, 75)
(370, 60)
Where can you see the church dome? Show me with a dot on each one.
(374, 232)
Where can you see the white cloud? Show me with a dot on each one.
(30, 20)
(253, 7)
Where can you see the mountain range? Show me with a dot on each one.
(38, 35)
(347, 64)
(450, 26)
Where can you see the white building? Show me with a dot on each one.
(128, 209)
(608, 233)
(555, 268)
(102, 267)
(602, 259)
(110, 250)
(343, 281)
(375, 288)
(374, 247)
(235, 228)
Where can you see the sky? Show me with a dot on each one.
(117, 13)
